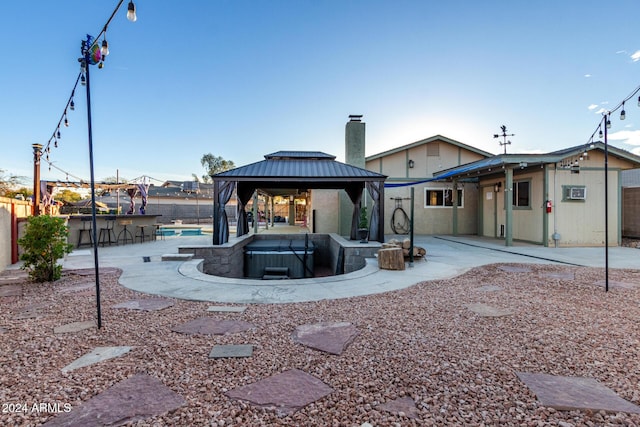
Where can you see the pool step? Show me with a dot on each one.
(275, 273)
(177, 257)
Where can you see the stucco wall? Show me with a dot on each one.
(325, 205)
(21, 210)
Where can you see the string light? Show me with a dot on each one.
(104, 51)
(623, 115)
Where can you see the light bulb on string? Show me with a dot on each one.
(623, 115)
(101, 64)
(131, 12)
(608, 123)
(105, 47)
(600, 134)
(58, 134)
(72, 105)
(83, 81)
(55, 143)
(66, 121)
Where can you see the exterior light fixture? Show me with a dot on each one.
(608, 123)
(72, 105)
(600, 135)
(496, 187)
(105, 48)
(622, 113)
(131, 12)
(411, 164)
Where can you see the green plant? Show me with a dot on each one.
(364, 221)
(44, 242)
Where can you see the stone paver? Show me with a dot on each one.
(136, 398)
(330, 337)
(562, 276)
(227, 309)
(212, 326)
(148, 304)
(616, 285)
(74, 327)
(514, 269)
(485, 310)
(570, 393)
(231, 350)
(285, 393)
(31, 311)
(489, 288)
(10, 290)
(96, 355)
(77, 288)
(404, 406)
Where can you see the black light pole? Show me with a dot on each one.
(86, 60)
(607, 125)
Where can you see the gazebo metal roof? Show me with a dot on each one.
(286, 172)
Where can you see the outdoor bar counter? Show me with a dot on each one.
(77, 223)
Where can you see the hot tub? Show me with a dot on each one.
(279, 259)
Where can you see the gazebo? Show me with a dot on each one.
(284, 172)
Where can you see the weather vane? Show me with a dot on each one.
(504, 136)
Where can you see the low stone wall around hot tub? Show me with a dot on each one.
(336, 252)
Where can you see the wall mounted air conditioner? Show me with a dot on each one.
(577, 193)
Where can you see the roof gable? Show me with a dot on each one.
(434, 138)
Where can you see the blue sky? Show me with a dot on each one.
(241, 79)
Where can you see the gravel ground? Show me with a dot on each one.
(421, 342)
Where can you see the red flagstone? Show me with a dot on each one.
(330, 337)
(285, 393)
(212, 326)
(403, 406)
(131, 400)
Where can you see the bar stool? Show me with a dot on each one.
(84, 230)
(140, 233)
(107, 231)
(125, 235)
(158, 232)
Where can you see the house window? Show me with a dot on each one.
(440, 197)
(521, 194)
(574, 193)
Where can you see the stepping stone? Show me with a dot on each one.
(10, 290)
(514, 269)
(561, 275)
(31, 311)
(134, 399)
(13, 279)
(231, 350)
(489, 311)
(285, 393)
(403, 406)
(570, 393)
(226, 309)
(211, 326)
(74, 327)
(326, 336)
(80, 252)
(489, 288)
(77, 288)
(96, 355)
(149, 304)
(614, 284)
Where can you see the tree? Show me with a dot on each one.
(68, 196)
(214, 165)
(21, 193)
(8, 182)
(114, 180)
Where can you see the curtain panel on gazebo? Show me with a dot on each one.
(374, 226)
(221, 224)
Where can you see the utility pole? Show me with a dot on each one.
(37, 152)
(504, 136)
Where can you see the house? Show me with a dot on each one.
(553, 199)
(414, 166)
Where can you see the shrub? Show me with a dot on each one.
(364, 221)
(44, 242)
